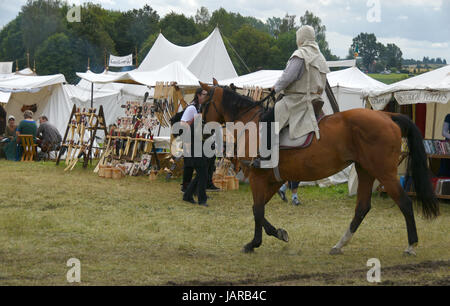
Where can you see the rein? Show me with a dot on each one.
(257, 103)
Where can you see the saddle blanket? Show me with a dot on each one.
(286, 143)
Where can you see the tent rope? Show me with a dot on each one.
(240, 58)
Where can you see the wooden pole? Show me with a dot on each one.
(137, 62)
(434, 121)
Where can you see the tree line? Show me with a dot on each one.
(42, 31)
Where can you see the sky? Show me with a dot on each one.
(419, 27)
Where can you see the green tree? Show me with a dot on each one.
(179, 29)
(40, 19)
(93, 34)
(369, 49)
(392, 55)
(55, 55)
(254, 46)
(202, 18)
(11, 43)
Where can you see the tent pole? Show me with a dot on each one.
(434, 120)
(92, 94)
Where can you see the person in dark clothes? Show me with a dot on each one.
(444, 169)
(8, 142)
(199, 164)
(293, 186)
(49, 137)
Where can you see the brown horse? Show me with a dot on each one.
(370, 139)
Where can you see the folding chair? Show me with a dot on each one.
(29, 147)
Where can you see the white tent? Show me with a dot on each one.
(172, 72)
(113, 95)
(205, 59)
(44, 91)
(430, 87)
(110, 95)
(347, 85)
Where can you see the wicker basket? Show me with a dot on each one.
(117, 174)
(101, 171)
(108, 172)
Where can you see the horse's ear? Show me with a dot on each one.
(215, 82)
(204, 86)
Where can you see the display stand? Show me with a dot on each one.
(81, 124)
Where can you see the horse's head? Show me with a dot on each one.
(212, 109)
(224, 104)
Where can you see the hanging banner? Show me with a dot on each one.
(120, 61)
(422, 96)
(6, 67)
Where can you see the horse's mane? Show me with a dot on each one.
(233, 102)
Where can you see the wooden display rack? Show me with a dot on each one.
(74, 139)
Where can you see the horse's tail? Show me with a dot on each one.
(417, 166)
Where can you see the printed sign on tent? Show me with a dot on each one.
(120, 61)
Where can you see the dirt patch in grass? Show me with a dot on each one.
(398, 275)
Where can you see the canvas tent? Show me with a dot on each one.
(348, 85)
(205, 59)
(44, 91)
(172, 72)
(431, 88)
(110, 95)
(114, 89)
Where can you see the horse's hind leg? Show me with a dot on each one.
(364, 196)
(396, 192)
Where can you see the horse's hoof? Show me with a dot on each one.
(247, 249)
(282, 235)
(408, 252)
(336, 251)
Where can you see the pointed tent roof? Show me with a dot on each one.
(205, 59)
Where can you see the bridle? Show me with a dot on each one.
(211, 101)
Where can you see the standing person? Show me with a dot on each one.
(444, 169)
(8, 145)
(49, 137)
(302, 82)
(198, 184)
(293, 186)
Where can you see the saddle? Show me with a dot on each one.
(286, 143)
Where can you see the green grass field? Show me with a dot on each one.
(136, 232)
(389, 78)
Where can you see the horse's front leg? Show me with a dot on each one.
(258, 214)
(260, 198)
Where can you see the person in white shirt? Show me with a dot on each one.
(198, 184)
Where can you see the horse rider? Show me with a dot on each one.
(302, 82)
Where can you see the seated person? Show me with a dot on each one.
(49, 137)
(26, 127)
(7, 143)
